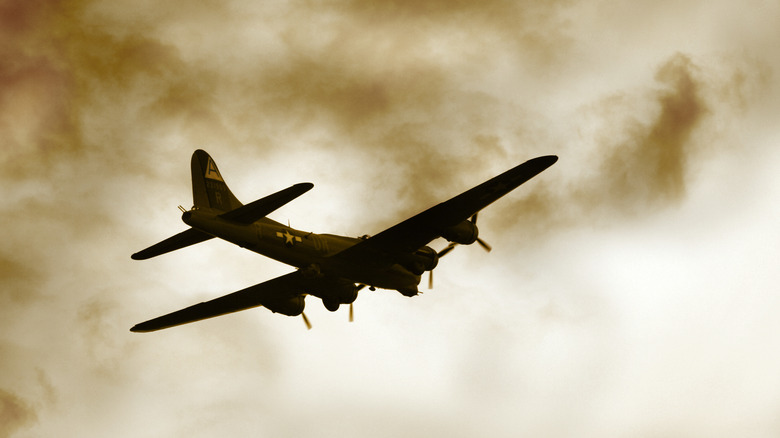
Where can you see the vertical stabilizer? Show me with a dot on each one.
(208, 187)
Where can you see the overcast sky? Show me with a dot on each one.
(632, 289)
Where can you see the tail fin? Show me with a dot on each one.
(208, 187)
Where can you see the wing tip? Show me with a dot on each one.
(304, 187)
(540, 163)
(549, 160)
(142, 328)
(151, 325)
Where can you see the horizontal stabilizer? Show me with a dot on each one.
(185, 238)
(263, 207)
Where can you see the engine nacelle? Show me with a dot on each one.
(424, 259)
(338, 290)
(464, 233)
(291, 307)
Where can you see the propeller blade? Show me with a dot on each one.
(481, 242)
(351, 313)
(484, 244)
(449, 248)
(306, 320)
(452, 246)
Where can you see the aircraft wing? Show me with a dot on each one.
(178, 241)
(417, 231)
(260, 294)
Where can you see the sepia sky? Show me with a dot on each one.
(632, 289)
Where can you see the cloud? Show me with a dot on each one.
(648, 161)
(647, 145)
(20, 282)
(393, 106)
(123, 81)
(15, 413)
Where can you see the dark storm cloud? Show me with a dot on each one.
(33, 88)
(651, 160)
(645, 145)
(75, 86)
(376, 77)
(389, 92)
(15, 413)
(40, 90)
(19, 282)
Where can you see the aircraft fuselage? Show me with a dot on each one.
(304, 250)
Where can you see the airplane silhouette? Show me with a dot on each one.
(330, 267)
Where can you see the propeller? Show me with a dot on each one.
(481, 242)
(452, 246)
(351, 307)
(484, 244)
(306, 321)
(440, 254)
(446, 250)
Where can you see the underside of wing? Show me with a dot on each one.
(417, 231)
(282, 294)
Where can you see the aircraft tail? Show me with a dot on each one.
(208, 187)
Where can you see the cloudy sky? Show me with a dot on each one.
(632, 289)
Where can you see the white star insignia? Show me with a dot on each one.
(289, 239)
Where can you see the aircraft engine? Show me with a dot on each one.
(346, 292)
(335, 292)
(464, 233)
(424, 259)
(292, 306)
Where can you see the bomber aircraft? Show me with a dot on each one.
(330, 267)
